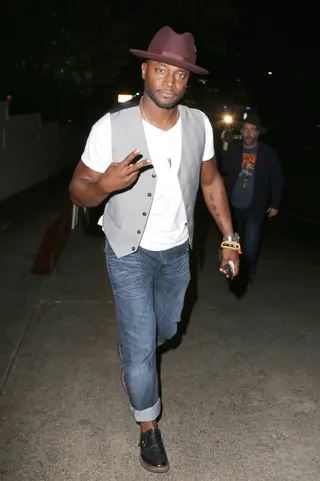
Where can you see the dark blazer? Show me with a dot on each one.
(268, 176)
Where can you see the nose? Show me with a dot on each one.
(169, 80)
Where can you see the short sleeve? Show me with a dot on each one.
(97, 154)
(209, 145)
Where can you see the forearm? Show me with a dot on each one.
(215, 197)
(86, 192)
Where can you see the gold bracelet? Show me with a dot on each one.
(231, 245)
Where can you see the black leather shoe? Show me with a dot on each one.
(123, 381)
(153, 456)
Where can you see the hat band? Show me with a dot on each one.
(174, 56)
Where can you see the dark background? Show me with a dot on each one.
(70, 60)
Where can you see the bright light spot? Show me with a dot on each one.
(122, 98)
(248, 108)
(228, 119)
(9, 98)
(269, 73)
(137, 93)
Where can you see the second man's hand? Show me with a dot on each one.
(272, 212)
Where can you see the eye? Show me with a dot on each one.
(160, 70)
(182, 75)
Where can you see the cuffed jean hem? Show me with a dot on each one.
(147, 415)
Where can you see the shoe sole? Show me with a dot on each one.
(154, 469)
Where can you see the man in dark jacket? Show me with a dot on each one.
(254, 183)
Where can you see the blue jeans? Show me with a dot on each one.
(249, 230)
(149, 289)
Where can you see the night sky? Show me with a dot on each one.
(278, 38)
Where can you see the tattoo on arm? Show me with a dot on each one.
(216, 214)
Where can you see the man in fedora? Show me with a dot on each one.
(254, 182)
(148, 159)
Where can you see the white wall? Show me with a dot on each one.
(32, 151)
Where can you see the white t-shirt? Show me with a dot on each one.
(167, 222)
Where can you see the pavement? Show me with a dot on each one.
(240, 389)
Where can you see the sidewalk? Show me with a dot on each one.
(24, 218)
(240, 393)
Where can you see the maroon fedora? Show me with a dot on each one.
(173, 48)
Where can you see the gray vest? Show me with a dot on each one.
(126, 213)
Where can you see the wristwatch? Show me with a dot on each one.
(232, 238)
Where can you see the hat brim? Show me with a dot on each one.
(171, 61)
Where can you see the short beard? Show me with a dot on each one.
(250, 143)
(151, 95)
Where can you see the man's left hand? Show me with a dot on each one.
(272, 212)
(230, 255)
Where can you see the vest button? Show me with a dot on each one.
(153, 175)
(133, 248)
(149, 194)
(144, 213)
(138, 231)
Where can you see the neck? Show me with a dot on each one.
(162, 118)
(250, 146)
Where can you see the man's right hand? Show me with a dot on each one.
(120, 175)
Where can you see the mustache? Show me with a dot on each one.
(166, 91)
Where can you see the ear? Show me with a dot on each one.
(144, 67)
